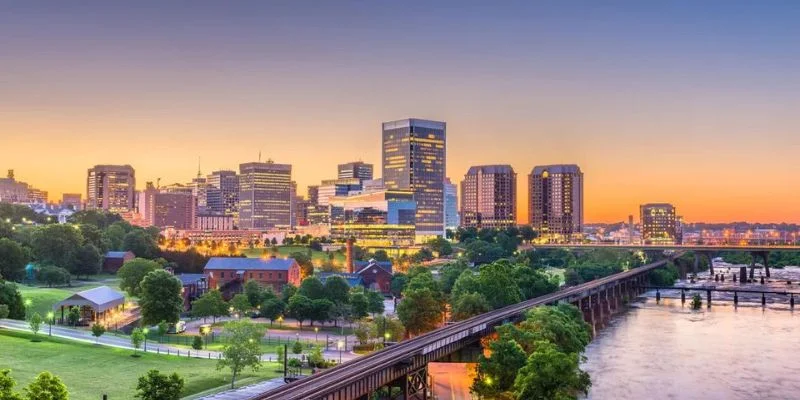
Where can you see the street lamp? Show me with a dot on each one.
(28, 303)
(146, 331)
(316, 331)
(205, 330)
(50, 321)
(280, 320)
(386, 337)
(340, 346)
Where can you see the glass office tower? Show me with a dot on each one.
(414, 158)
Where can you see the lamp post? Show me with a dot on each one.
(204, 331)
(340, 345)
(386, 337)
(145, 331)
(316, 331)
(50, 321)
(28, 303)
(280, 321)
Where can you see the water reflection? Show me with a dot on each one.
(667, 351)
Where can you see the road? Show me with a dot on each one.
(451, 381)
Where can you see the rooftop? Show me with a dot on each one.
(238, 263)
(100, 298)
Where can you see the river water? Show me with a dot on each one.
(668, 351)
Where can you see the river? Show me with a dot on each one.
(668, 351)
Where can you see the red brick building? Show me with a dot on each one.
(376, 276)
(113, 260)
(228, 274)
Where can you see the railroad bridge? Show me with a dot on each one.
(404, 365)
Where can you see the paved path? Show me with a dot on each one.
(246, 392)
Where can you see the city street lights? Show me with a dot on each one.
(205, 330)
(28, 303)
(386, 337)
(145, 331)
(340, 346)
(316, 331)
(280, 320)
(50, 321)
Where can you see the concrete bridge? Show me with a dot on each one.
(708, 251)
(404, 365)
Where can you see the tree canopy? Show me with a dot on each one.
(133, 272)
(160, 298)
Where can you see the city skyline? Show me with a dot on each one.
(684, 103)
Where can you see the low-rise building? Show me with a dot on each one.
(114, 260)
(214, 222)
(229, 274)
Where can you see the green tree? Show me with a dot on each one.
(94, 236)
(137, 337)
(88, 261)
(74, 316)
(287, 291)
(449, 273)
(35, 323)
(46, 386)
(482, 252)
(7, 384)
(211, 304)
(114, 236)
(54, 276)
(440, 246)
(254, 292)
(551, 374)
(304, 260)
(132, 274)
(300, 308)
(312, 288)
(380, 255)
(10, 296)
(498, 285)
(374, 302)
(157, 386)
(533, 283)
(336, 289)
(271, 309)
(197, 343)
(399, 282)
(467, 282)
(382, 325)
(420, 310)
(359, 304)
(56, 245)
(279, 351)
(13, 259)
(320, 310)
(97, 331)
(97, 218)
(163, 328)
(497, 372)
(141, 243)
(562, 325)
(160, 298)
(242, 348)
(527, 233)
(240, 304)
(469, 305)
(297, 348)
(4, 311)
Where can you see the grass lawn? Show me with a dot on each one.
(283, 251)
(89, 370)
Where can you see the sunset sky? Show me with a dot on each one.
(696, 103)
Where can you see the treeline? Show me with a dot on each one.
(537, 359)
(469, 291)
(777, 259)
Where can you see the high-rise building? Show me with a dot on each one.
(451, 220)
(146, 199)
(556, 201)
(660, 224)
(111, 188)
(72, 201)
(265, 195)
(313, 194)
(13, 191)
(200, 192)
(174, 210)
(37, 196)
(381, 219)
(222, 193)
(356, 169)
(489, 197)
(293, 204)
(414, 158)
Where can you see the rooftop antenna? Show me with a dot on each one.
(259, 156)
(198, 167)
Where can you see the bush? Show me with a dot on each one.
(53, 276)
(197, 343)
(297, 347)
(295, 363)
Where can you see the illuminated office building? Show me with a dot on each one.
(222, 193)
(357, 169)
(381, 219)
(451, 219)
(660, 224)
(414, 158)
(265, 195)
(111, 188)
(489, 197)
(556, 201)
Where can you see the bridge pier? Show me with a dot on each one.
(742, 275)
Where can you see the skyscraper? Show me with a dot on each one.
(414, 158)
(556, 200)
(660, 224)
(111, 188)
(175, 210)
(451, 220)
(265, 195)
(313, 194)
(489, 197)
(222, 193)
(356, 169)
